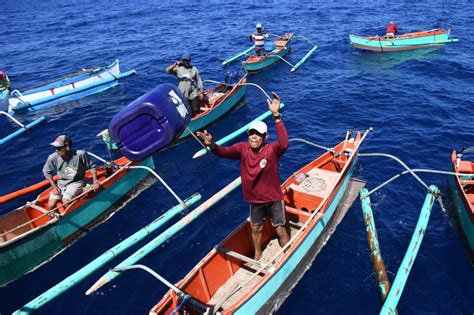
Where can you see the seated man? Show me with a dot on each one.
(71, 166)
(189, 81)
(391, 29)
(259, 39)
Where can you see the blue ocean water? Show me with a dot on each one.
(420, 104)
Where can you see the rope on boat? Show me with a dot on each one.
(186, 297)
(315, 213)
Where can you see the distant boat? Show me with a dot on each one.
(85, 81)
(255, 63)
(228, 281)
(462, 192)
(408, 41)
(218, 101)
(31, 235)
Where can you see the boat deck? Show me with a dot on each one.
(223, 298)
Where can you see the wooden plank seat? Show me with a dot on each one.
(241, 257)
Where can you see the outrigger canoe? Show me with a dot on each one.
(255, 63)
(80, 84)
(229, 281)
(217, 102)
(408, 41)
(462, 192)
(30, 235)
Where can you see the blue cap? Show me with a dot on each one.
(186, 57)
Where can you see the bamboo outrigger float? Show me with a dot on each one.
(23, 128)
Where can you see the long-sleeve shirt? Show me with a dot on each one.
(259, 170)
(391, 29)
(69, 171)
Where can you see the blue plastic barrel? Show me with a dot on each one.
(151, 122)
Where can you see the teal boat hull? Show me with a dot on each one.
(33, 250)
(220, 110)
(462, 214)
(271, 59)
(263, 301)
(403, 42)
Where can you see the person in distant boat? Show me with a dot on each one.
(259, 173)
(259, 39)
(189, 81)
(4, 82)
(391, 29)
(71, 166)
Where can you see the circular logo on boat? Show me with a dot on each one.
(263, 163)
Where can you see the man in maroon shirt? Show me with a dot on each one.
(391, 29)
(259, 174)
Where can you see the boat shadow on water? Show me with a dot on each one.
(367, 60)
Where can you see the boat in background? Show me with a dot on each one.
(31, 235)
(79, 84)
(217, 102)
(462, 193)
(229, 281)
(255, 63)
(408, 41)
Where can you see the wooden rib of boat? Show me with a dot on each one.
(86, 82)
(217, 102)
(229, 281)
(255, 63)
(408, 41)
(30, 235)
(462, 192)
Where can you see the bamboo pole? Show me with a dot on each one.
(160, 239)
(100, 261)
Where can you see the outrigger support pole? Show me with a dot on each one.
(180, 293)
(100, 261)
(243, 53)
(23, 129)
(153, 173)
(169, 232)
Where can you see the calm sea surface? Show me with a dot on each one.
(421, 105)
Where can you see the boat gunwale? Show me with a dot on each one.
(278, 263)
(411, 35)
(461, 192)
(69, 209)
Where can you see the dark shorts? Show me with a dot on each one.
(275, 210)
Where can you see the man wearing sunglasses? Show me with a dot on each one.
(71, 166)
(259, 173)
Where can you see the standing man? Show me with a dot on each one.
(391, 29)
(71, 166)
(189, 81)
(259, 174)
(259, 39)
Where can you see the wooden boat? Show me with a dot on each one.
(80, 84)
(228, 281)
(217, 102)
(30, 235)
(462, 192)
(408, 41)
(255, 63)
